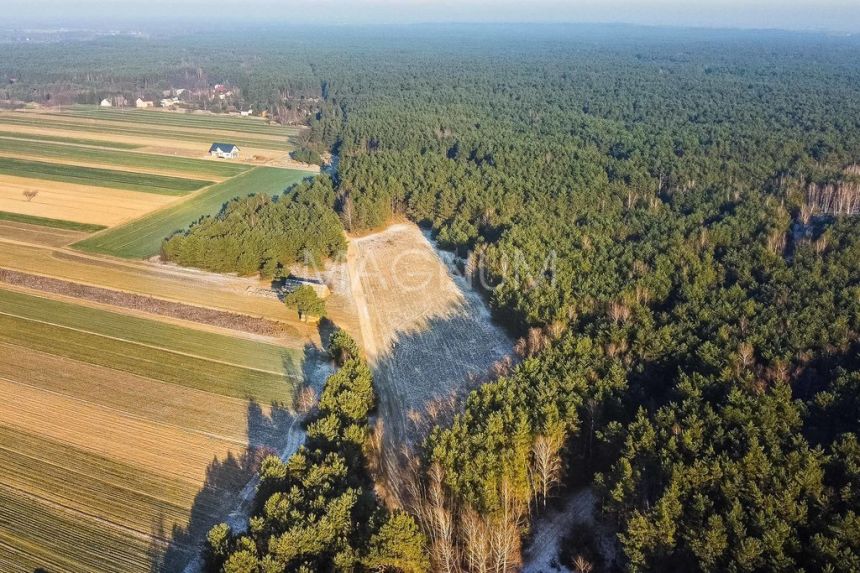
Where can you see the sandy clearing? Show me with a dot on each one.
(161, 449)
(39, 235)
(79, 203)
(427, 334)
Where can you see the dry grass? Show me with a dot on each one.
(80, 203)
(38, 235)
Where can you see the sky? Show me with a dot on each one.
(821, 15)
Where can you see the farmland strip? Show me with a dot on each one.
(148, 304)
(47, 222)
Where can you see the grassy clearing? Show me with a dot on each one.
(97, 177)
(201, 121)
(70, 140)
(182, 165)
(196, 359)
(163, 132)
(53, 223)
(142, 238)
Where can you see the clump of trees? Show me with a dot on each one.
(317, 510)
(307, 155)
(306, 302)
(264, 235)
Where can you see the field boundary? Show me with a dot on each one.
(145, 303)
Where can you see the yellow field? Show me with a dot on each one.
(80, 203)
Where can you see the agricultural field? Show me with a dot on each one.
(78, 154)
(136, 398)
(97, 177)
(90, 205)
(140, 430)
(204, 133)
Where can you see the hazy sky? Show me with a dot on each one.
(836, 15)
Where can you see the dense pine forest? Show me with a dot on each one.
(667, 218)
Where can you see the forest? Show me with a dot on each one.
(667, 219)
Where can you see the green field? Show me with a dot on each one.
(202, 121)
(162, 132)
(71, 140)
(183, 165)
(143, 237)
(203, 360)
(46, 222)
(97, 177)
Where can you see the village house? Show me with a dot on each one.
(224, 151)
(106, 103)
(142, 103)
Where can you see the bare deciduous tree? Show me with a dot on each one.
(546, 463)
(476, 539)
(581, 565)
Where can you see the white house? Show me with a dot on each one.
(106, 103)
(143, 103)
(224, 150)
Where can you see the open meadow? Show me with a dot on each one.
(135, 398)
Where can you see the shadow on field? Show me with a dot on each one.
(226, 478)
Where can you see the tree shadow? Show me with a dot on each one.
(230, 483)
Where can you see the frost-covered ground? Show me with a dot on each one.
(541, 555)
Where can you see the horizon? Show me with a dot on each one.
(832, 16)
